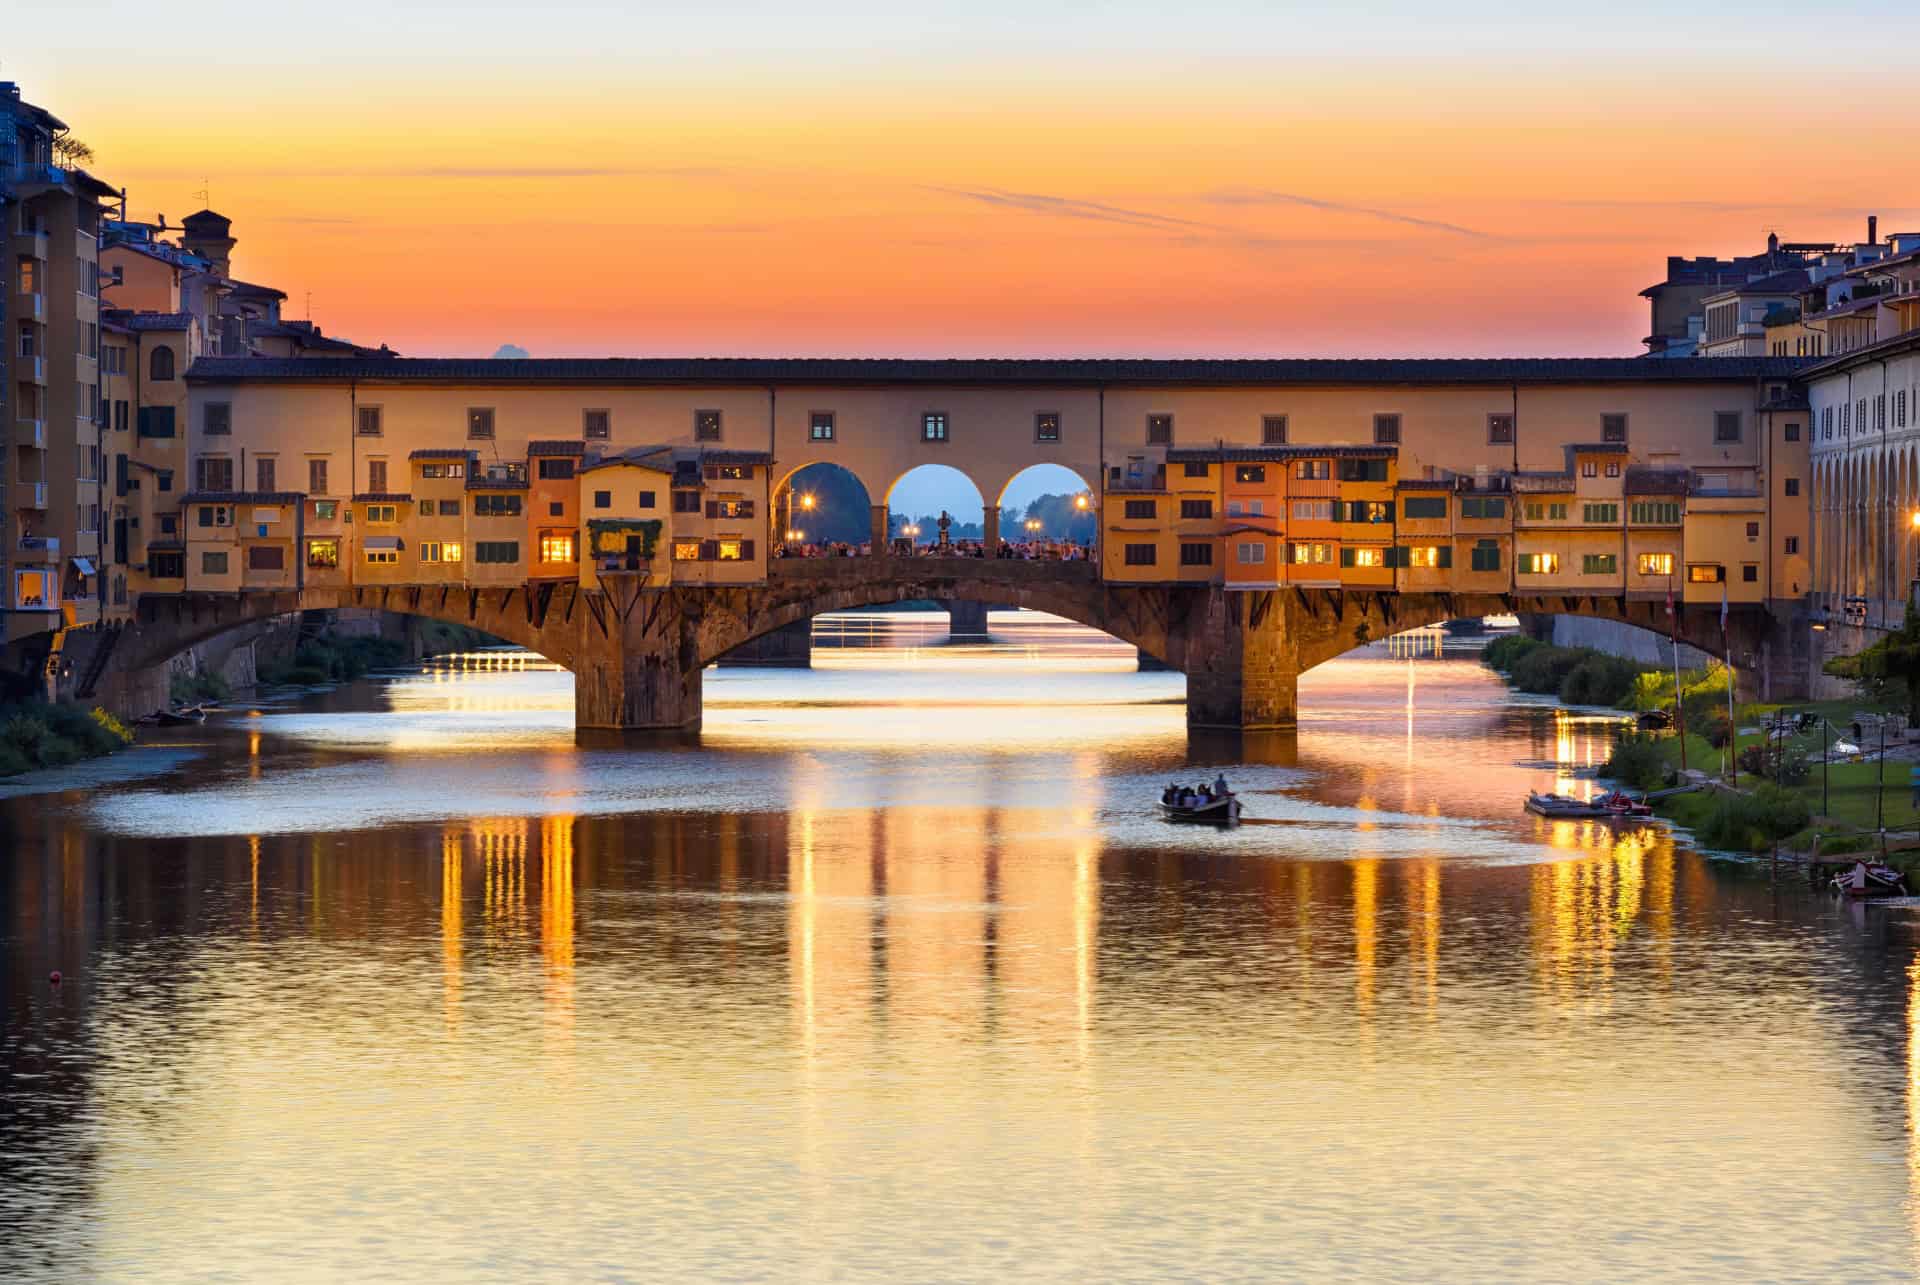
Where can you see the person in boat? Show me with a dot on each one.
(1220, 789)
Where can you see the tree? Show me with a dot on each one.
(69, 151)
(1890, 669)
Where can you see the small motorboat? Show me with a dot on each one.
(181, 715)
(1620, 803)
(1221, 809)
(1561, 806)
(1870, 879)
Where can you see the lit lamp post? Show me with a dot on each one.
(1033, 526)
(1913, 587)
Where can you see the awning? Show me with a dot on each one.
(83, 565)
(381, 542)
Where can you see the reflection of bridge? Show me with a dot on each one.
(638, 654)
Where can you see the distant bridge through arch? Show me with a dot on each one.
(638, 655)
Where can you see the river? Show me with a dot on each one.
(892, 973)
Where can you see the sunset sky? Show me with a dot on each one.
(744, 176)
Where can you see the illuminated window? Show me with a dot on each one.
(706, 426)
(1308, 554)
(1046, 426)
(323, 553)
(32, 589)
(1705, 573)
(440, 551)
(556, 546)
(443, 470)
(1538, 564)
(1428, 555)
(1656, 564)
(1369, 511)
(731, 551)
(480, 422)
(1362, 556)
(686, 551)
(1250, 473)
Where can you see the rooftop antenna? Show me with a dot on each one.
(205, 194)
(309, 315)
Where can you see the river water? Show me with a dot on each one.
(892, 973)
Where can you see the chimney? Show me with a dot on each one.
(1873, 229)
(1773, 244)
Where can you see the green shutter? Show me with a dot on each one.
(1446, 556)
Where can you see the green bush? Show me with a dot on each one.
(27, 734)
(12, 761)
(1827, 845)
(1750, 822)
(1599, 679)
(1636, 761)
(41, 735)
(1544, 670)
(191, 689)
(1503, 651)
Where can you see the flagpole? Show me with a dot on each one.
(1679, 706)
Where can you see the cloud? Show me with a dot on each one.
(1245, 196)
(557, 171)
(1068, 207)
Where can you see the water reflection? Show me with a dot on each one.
(860, 998)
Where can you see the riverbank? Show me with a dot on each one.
(37, 735)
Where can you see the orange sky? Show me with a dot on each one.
(1215, 200)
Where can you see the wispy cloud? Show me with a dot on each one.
(1249, 196)
(560, 171)
(1067, 207)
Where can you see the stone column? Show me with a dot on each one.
(990, 528)
(1242, 664)
(966, 620)
(879, 531)
(642, 675)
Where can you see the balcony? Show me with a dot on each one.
(39, 548)
(30, 432)
(31, 242)
(30, 370)
(30, 495)
(32, 178)
(30, 305)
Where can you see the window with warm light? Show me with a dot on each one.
(1655, 564)
(732, 550)
(1310, 554)
(686, 551)
(1363, 556)
(439, 551)
(1705, 573)
(556, 546)
(323, 553)
(1538, 564)
(1425, 556)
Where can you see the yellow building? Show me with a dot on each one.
(626, 524)
(438, 526)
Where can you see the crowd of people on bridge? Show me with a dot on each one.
(907, 547)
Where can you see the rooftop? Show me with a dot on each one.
(1203, 372)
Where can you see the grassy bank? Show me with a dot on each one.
(38, 735)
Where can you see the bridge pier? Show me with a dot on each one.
(1242, 662)
(990, 528)
(966, 619)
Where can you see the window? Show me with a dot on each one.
(443, 470)
(1248, 553)
(1541, 511)
(167, 566)
(496, 506)
(316, 477)
(440, 551)
(1196, 468)
(1537, 564)
(388, 513)
(367, 422)
(1426, 556)
(1599, 564)
(1791, 486)
(556, 546)
(1362, 556)
(1500, 428)
(1193, 510)
(730, 472)
(1424, 506)
(479, 423)
(1656, 564)
(1654, 512)
(1386, 429)
(1880, 411)
(1726, 426)
(933, 426)
(1613, 468)
(1749, 572)
(495, 552)
(377, 476)
(326, 510)
(1138, 510)
(820, 426)
(706, 426)
(1793, 545)
(216, 419)
(686, 501)
(1588, 469)
(1613, 427)
(686, 551)
(556, 468)
(603, 499)
(449, 508)
(215, 473)
(156, 421)
(116, 360)
(426, 508)
(1485, 555)
(1273, 430)
(1140, 555)
(729, 508)
(120, 409)
(1046, 426)
(1250, 473)
(324, 554)
(1363, 470)
(1753, 532)
(1485, 507)
(1195, 553)
(734, 551)
(213, 564)
(1791, 433)
(1899, 415)
(1311, 554)
(646, 499)
(1313, 510)
(1705, 573)
(1313, 470)
(1369, 511)
(1606, 514)
(266, 557)
(385, 557)
(556, 508)
(1159, 430)
(160, 365)
(596, 425)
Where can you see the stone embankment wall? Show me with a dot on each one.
(1619, 639)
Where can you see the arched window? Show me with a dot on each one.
(160, 366)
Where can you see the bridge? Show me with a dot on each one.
(638, 654)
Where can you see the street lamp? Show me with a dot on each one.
(1082, 502)
(806, 501)
(1033, 525)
